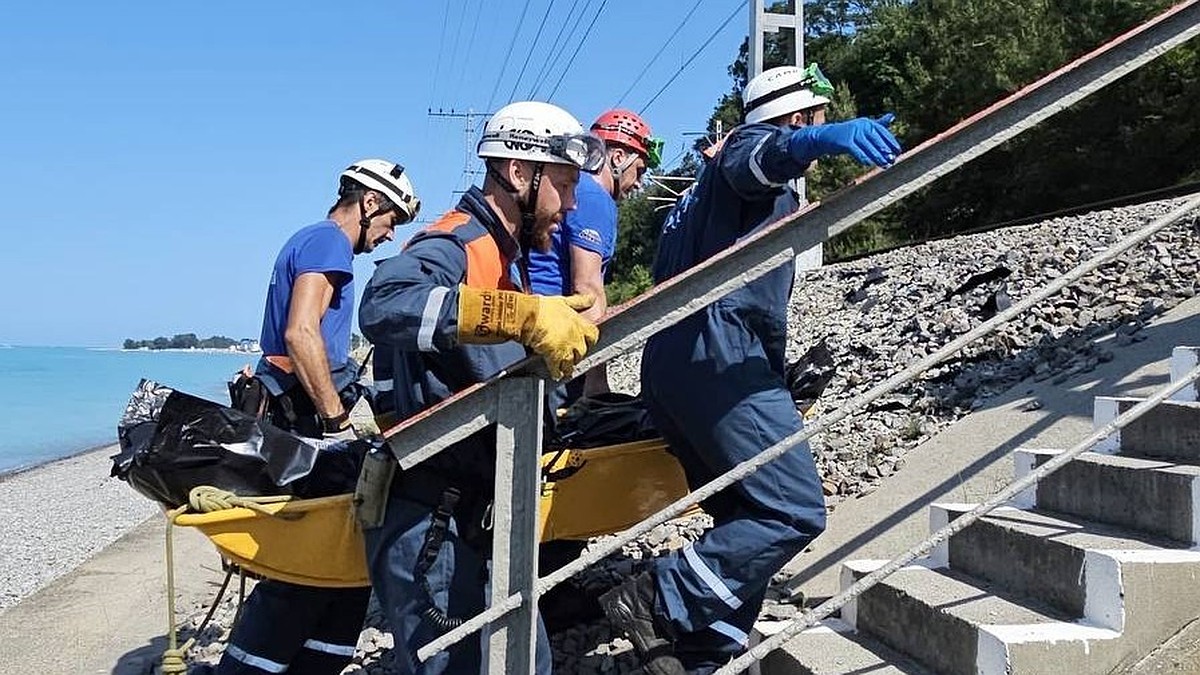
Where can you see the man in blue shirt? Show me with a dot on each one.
(583, 246)
(307, 369)
(714, 386)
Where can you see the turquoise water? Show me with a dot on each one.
(57, 401)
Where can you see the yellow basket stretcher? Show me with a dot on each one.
(318, 542)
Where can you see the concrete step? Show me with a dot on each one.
(1150, 496)
(957, 626)
(832, 648)
(1169, 431)
(1066, 563)
(1184, 359)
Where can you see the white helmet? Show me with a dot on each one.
(779, 91)
(388, 179)
(540, 132)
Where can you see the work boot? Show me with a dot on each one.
(630, 608)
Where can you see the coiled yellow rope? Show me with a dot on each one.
(202, 499)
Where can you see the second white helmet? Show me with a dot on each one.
(777, 92)
(540, 132)
(387, 178)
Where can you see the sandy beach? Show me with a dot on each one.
(57, 515)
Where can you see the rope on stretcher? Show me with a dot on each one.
(201, 499)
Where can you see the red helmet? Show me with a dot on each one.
(625, 127)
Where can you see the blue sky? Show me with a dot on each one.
(155, 155)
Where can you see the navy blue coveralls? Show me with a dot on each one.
(410, 311)
(714, 385)
(286, 627)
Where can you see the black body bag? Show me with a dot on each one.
(172, 442)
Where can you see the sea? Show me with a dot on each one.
(59, 401)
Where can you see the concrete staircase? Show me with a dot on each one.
(1086, 573)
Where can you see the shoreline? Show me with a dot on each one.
(10, 472)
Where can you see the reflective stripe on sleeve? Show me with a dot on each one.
(756, 165)
(429, 318)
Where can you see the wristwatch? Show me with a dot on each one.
(332, 425)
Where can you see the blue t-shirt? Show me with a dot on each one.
(591, 226)
(321, 247)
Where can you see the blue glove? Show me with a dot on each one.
(867, 140)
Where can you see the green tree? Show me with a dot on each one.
(185, 341)
(934, 62)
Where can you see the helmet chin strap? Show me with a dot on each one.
(364, 224)
(617, 170)
(528, 209)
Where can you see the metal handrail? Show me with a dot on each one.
(428, 433)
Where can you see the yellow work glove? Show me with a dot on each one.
(549, 325)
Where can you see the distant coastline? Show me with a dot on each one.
(190, 341)
(186, 350)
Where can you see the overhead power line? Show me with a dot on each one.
(458, 30)
(694, 55)
(529, 52)
(657, 54)
(437, 69)
(468, 51)
(557, 46)
(578, 47)
(507, 55)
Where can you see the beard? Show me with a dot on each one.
(543, 227)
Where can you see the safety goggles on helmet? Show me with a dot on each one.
(816, 82)
(583, 150)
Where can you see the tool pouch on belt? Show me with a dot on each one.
(374, 484)
(247, 394)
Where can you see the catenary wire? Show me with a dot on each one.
(659, 53)
(508, 54)
(696, 53)
(437, 68)
(578, 47)
(557, 47)
(529, 52)
(470, 50)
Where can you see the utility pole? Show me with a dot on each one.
(763, 22)
(470, 122)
